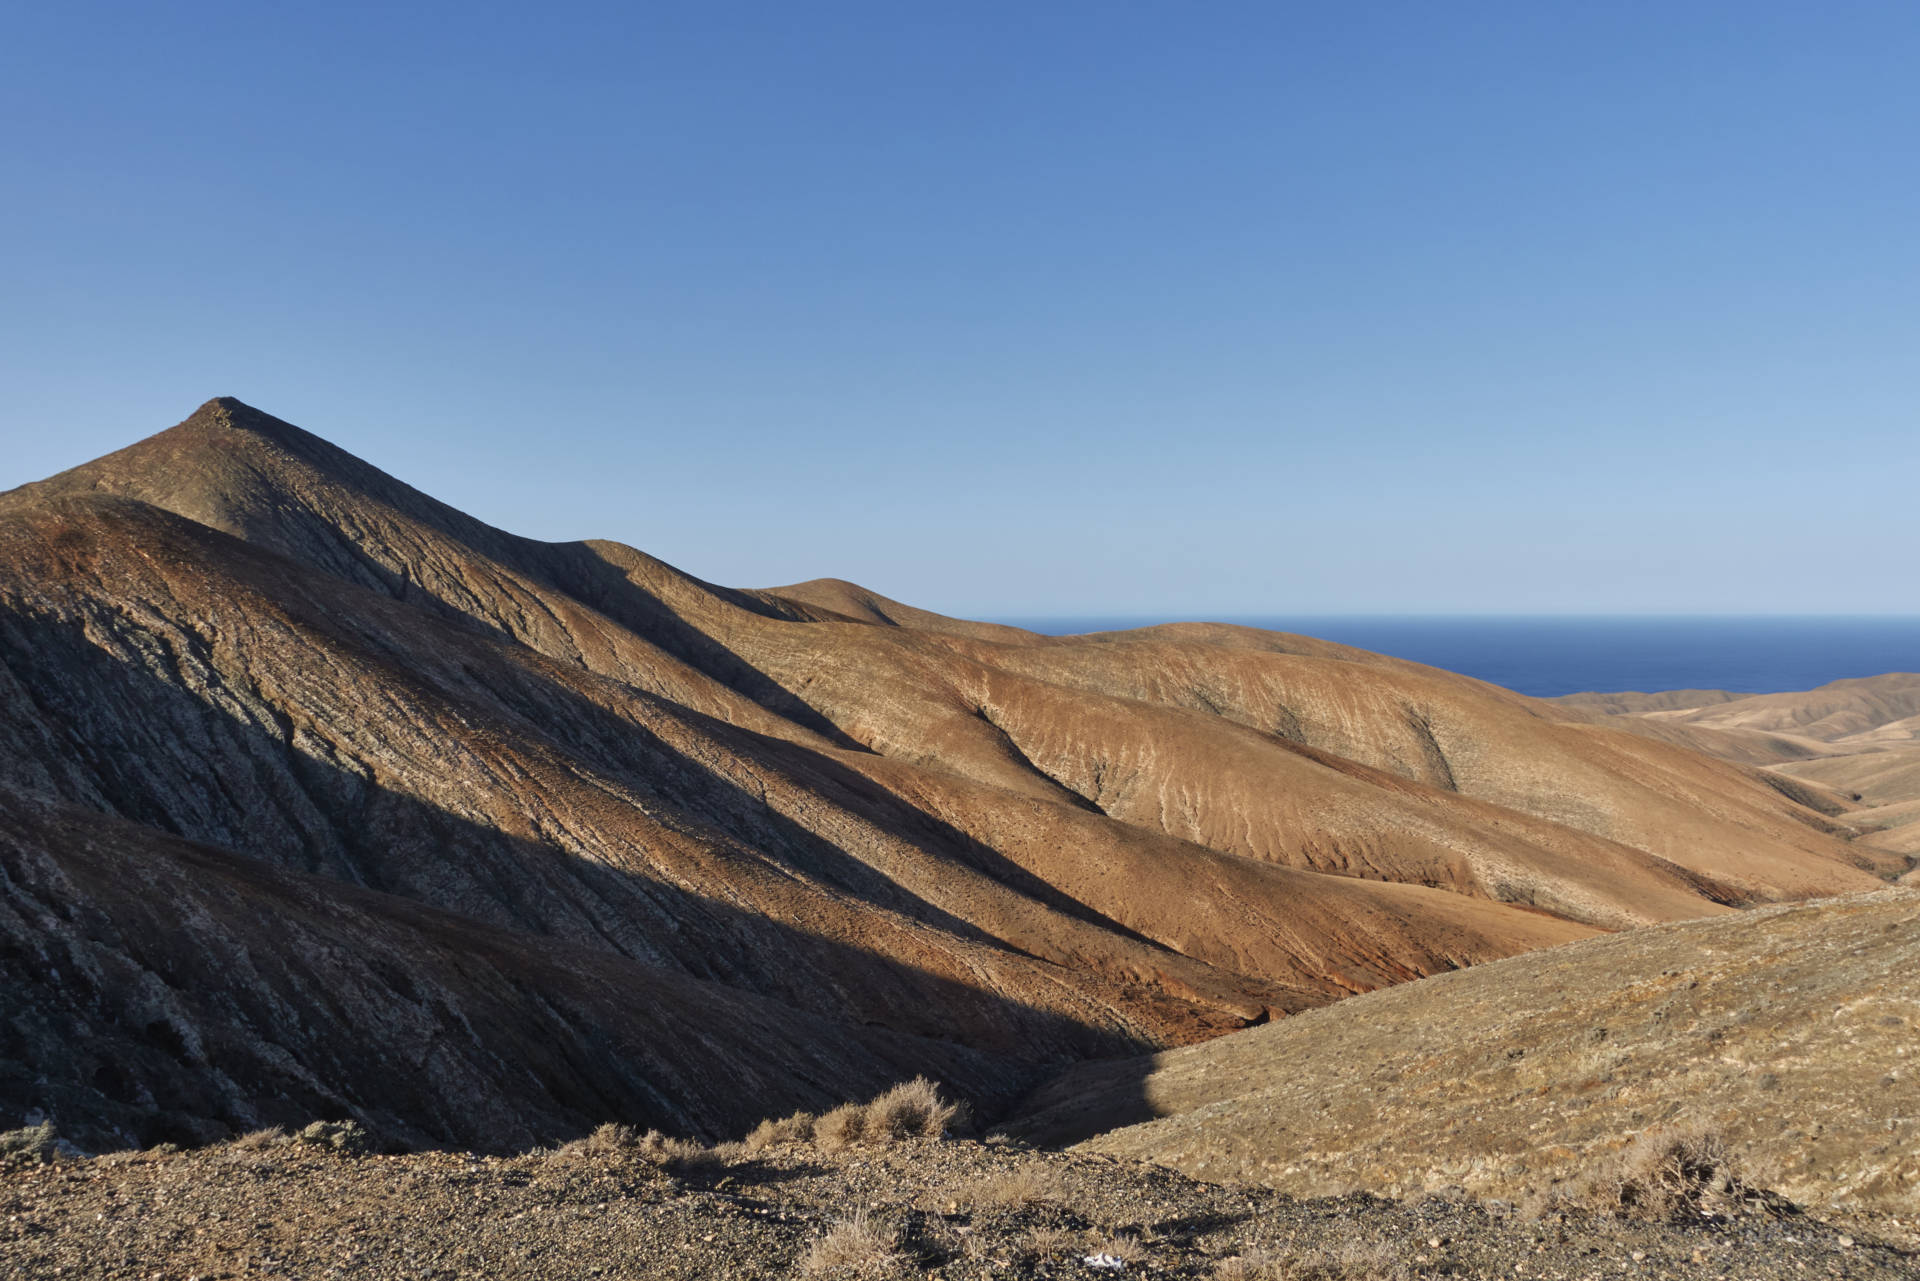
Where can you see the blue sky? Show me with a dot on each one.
(1019, 309)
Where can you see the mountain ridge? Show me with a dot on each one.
(1036, 850)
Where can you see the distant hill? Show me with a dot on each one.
(1634, 703)
(1858, 738)
(243, 672)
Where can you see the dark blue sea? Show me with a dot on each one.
(1548, 655)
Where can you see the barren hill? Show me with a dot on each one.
(1794, 1031)
(263, 673)
(1858, 739)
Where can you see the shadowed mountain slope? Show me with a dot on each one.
(1031, 850)
(158, 989)
(1790, 1030)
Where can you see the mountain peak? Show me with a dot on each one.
(232, 413)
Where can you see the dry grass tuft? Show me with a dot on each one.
(608, 1140)
(254, 1140)
(1014, 1189)
(653, 1147)
(1046, 1242)
(911, 1110)
(1354, 1262)
(855, 1246)
(1126, 1248)
(914, 1109)
(1254, 1265)
(843, 1127)
(1661, 1175)
(797, 1128)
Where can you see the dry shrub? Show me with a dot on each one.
(683, 1154)
(914, 1109)
(852, 1247)
(254, 1140)
(842, 1127)
(797, 1128)
(911, 1110)
(1254, 1265)
(608, 1140)
(653, 1147)
(1662, 1174)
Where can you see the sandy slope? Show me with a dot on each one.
(1857, 739)
(1793, 1030)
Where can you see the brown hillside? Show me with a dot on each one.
(1034, 850)
(1835, 712)
(1792, 1030)
(1856, 740)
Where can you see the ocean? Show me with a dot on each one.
(1563, 654)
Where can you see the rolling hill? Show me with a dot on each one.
(1856, 739)
(1790, 1031)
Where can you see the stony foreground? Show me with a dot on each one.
(931, 1208)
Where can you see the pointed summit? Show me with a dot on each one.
(245, 472)
(233, 414)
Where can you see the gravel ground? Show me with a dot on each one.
(954, 1209)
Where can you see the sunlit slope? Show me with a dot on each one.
(1791, 1030)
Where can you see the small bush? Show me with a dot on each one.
(30, 1143)
(610, 1138)
(797, 1128)
(842, 1127)
(1663, 1174)
(1251, 1266)
(912, 1110)
(623, 1141)
(853, 1247)
(685, 1154)
(341, 1136)
(607, 1140)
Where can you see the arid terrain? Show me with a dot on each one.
(1858, 737)
(321, 800)
(912, 1208)
(1791, 1032)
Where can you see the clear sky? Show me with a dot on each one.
(1016, 309)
